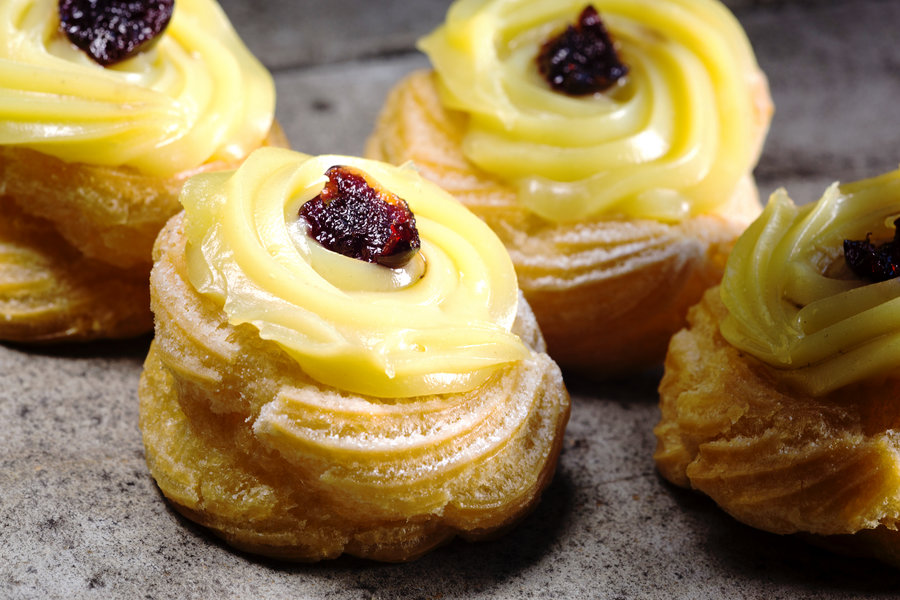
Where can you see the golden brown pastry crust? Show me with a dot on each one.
(608, 293)
(50, 291)
(773, 457)
(231, 423)
(76, 242)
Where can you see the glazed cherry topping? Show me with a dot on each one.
(354, 217)
(109, 31)
(875, 263)
(582, 59)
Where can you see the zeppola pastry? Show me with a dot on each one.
(778, 399)
(105, 109)
(609, 145)
(343, 364)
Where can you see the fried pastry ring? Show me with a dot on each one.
(777, 398)
(241, 439)
(608, 262)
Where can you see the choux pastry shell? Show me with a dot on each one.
(777, 398)
(241, 439)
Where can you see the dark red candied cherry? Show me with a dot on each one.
(582, 59)
(110, 31)
(355, 217)
(875, 263)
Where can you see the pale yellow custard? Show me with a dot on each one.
(197, 96)
(441, 324)
(669, 141)
(794, 304)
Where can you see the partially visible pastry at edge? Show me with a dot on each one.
(618, 190)
(95, 144)
(343, 364)
(779, 398)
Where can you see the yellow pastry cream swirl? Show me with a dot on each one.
(439, 324)
(794, 303)
(669, 141)
(196, 96)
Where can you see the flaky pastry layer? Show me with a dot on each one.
(242, 441)
(772, 456)
(608, 292)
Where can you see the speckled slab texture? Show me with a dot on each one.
(81, 518)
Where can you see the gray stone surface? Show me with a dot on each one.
(81, 518)
(834, 72)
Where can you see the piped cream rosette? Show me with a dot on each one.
(440, 324)
(794, 304)
(672, 140)
(197, 96)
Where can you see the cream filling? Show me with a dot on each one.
(670, 141)
(197, 96)
(794, 304)
(440, 324)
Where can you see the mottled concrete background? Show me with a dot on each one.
(81, 518)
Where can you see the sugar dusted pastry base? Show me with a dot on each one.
(240, 440)
(775, 458)
(75, 245)
(608, 293)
